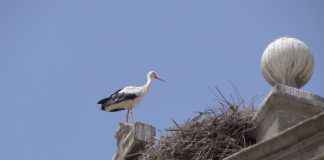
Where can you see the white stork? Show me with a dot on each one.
(128, 97)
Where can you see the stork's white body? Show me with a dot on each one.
(139, 91)
(127, 97)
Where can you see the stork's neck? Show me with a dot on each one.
(147, 85)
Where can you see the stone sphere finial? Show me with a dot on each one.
(287, 61)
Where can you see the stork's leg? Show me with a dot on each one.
(127, 115)
(132, 114)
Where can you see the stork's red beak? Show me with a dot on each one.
(158, 78)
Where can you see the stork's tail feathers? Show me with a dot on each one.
(103, 101)
(105, 106)
(110, 109)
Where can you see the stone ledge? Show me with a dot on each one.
(319, 157)
(284, 107)
(303, 141)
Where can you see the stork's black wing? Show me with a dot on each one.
(115, 98)
(104, 100)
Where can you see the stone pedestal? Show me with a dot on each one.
(290, 126)
(131, 139)
(284, 107)
(304, 141)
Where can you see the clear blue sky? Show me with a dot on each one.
(57, 58)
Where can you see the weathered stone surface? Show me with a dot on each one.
(284, 107)
(304, 141)
(290, 126)
(319, 157)
(131, 139)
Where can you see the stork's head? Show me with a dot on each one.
(153, 75)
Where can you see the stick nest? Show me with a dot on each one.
(211, 135)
